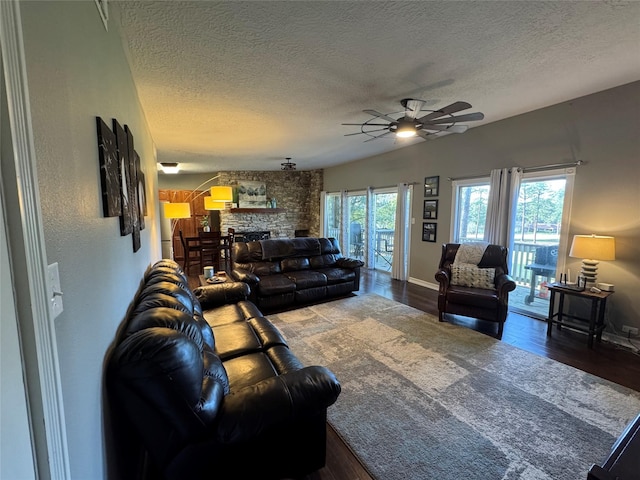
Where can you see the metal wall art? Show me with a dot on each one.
(123, 183)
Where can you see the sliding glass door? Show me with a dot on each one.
(364, 223)
(538, 235)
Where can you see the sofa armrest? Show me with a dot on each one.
(504, 284)
(443, 278)
(242, 275)
(211, 296)
(346, 262)
(248, 412)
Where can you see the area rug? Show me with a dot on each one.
(428, 400)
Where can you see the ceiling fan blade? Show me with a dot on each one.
(381, 115)
(444, 128)
(426, 135)
(379, 136)
(365, 123)
(367, 132)
(461, 118)
(449, 109)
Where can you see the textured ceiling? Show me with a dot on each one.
(241, 85)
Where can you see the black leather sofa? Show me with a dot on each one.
(201, 386)
(284, 272)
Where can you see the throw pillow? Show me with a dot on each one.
(472, 276)
(471, 253)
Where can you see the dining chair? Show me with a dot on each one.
(210, 248)
(191, 247)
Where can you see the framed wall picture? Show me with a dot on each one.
(109, 170)
(430, 211)
(252, 194)
(429, 231)
(431, 186)
(126, 221)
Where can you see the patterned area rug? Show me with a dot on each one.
(428, 400)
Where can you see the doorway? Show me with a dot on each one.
(538, 237)
(364, 222)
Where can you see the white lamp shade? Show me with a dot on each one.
(222, 194)
(211, 204)
(594, 247)
(177, 210)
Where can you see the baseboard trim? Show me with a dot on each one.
(422, 283)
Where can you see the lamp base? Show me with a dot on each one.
(590, 271)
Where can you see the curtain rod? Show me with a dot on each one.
(384, 186)
(577, 163)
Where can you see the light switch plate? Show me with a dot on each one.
(55, 292)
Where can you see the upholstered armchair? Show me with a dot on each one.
(478, 291)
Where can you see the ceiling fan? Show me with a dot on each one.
(288, 165)
(409, 124)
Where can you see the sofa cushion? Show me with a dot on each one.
(471, 276)
(324, 260)
(275, 285)
(224, 315)
(307, 279)
(268, 335)
(338, 275)
(293, 264)
(248, 369)
(473, 296)
(263, 268)
(289, 247)
(235, 339)
(313, 294)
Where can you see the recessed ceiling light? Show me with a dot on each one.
(170, 167)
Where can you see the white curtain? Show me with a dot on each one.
(399, 264)
(501, 210)
(503, 195)
(370, 229)
(344, 223)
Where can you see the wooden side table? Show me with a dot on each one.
(204, 283)
(592, 325)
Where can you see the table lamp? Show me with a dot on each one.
(592, 249)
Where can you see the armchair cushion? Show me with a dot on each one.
(471, 276)
(470, 253)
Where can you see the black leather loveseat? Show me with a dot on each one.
(294, 271)
(201, 386)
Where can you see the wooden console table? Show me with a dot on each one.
(592, 325)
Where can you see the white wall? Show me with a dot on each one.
(602, 129)
(76, 71)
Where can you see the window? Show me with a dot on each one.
(470, 200)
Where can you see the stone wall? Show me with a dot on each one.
(296, 192)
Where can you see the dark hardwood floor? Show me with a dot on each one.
(605, 360)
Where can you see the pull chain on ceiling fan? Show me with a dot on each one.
(407, 124)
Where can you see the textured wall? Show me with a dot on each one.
(297, 192)
(77, 71)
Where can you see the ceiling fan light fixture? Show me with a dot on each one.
(406, 131)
